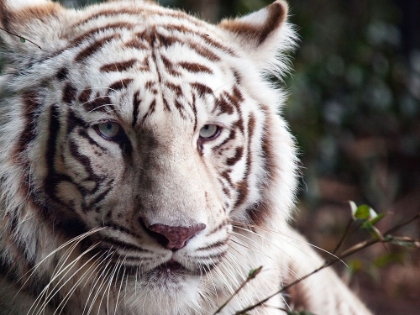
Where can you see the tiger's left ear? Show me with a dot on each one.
(263, 34)
(35, 21)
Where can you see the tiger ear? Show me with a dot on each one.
(29, 25)
(262, 35)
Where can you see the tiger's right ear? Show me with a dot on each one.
(262, 35)
(29, 25)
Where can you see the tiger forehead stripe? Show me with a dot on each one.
(119, 85)
(96, 31)
(69, 93)
(187, 31)
(90, 50)
(84, 96)
(136, 43)
(98, 103)
(169, 66)
(177, 15)
(176, 31)
(118, 66)
(194, 67)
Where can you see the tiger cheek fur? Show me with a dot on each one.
(144, 168)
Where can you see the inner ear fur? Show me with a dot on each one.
(259, 26)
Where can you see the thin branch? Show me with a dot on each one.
(22, 39)
(252, 274)
(346, 232)
(402, 224)
(346, 253)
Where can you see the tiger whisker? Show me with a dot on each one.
(253, 243)
(32, 271)
(121, 282)
(45, 290)
(62, 266)
(101, 278)
(55, 290)
(242, 226)
(110, 283)
(67, 297)
(290, 271)
(101, 106)
(290, 243)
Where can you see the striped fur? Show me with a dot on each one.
(104, 148)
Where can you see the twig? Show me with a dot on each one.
(22, 39)
(346, 232)
(346, 253)
(252, 274)
(398, 226)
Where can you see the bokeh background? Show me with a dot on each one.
(354, 107)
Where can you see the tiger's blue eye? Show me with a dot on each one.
(209, 132)
(109, 130)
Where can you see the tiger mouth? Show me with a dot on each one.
(171, 267)
(168, 273)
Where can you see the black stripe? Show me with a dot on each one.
(62, 74)
(100, 30)
(98, 103)
(50, 181)
(116, 227)
(123, 245)
(119, 85)
(69, 93)
(194, 108)
(99, 198)
(136, 105)
(93, 48)
(32, 104)
(118, 66)
(86, 164)
(243, 187)
(82, 132)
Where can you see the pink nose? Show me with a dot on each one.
(174, 237)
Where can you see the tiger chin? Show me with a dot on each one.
(144, 168)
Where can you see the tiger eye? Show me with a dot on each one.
(109, 130)
(209, 132)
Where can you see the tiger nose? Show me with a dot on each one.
(174, 237)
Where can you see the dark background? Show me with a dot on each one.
(354, 107)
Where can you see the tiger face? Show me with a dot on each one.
(145, 142)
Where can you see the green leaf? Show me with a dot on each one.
(356, 265)
(22, 40)
(388, 259)
(362, 212)
(254, 272)
(376, 234)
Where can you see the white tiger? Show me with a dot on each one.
(144, 168)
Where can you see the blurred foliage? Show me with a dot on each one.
(354, 98)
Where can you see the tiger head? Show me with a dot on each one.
(138, 145)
